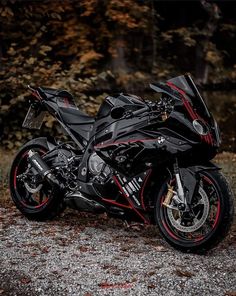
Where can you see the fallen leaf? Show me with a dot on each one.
(25, 280)
(230, 293)
(87, 294)
(106, 285)
(160, 249)
(151, 286)
(45, 249)
(183, 273)
(83, 249)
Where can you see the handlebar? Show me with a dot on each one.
(131, 114)
(161, 107)
(140, 111)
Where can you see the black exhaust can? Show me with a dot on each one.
(38, 164)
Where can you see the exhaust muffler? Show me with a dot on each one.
(41, 167)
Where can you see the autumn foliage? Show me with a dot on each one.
(91, 47)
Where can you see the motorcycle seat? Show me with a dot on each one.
(48, 93)
(74, 116)
(69, 115)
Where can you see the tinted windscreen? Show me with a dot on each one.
(182, 83)
(188, 86)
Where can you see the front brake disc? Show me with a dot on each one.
(197, 223)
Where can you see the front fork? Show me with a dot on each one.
(180, 189)
(186, 177)
(179, 196)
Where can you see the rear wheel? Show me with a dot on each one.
(35, 197)
(209, 218)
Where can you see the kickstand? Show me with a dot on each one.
(134, 226)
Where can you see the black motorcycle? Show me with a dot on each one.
(138, 160)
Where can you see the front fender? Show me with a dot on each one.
(209, 166)
(189, 177)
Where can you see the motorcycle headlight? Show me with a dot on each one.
(200, 127)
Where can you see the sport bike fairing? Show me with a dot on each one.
(130, 137)
(138, 160)
(134, 145)
(129, 145)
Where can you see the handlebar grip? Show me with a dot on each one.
(140, 111)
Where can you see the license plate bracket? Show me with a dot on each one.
(33, 118)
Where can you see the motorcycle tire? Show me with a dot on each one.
(47, 203)
(214, 202)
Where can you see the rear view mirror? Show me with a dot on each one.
(117, 112)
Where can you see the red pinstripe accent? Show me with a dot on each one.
(66, 102)
(199, 239)
(36, 95)
(26, 153)
(25, 205)
(15, 177)
(218, 203)
(132, 206)
(16, 169)
(124, 142)
(207, 138)
(169, 232)
(207, 179)
(43, 203)
(116, 203)
(140, 215)
(186, 103)
(217, 214)
(15, 172)
(143, 187)
(120, 187)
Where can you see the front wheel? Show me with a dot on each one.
(208, 220)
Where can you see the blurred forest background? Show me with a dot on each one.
(96, 47)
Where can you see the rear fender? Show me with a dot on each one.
(49, 142)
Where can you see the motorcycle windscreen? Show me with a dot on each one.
(185, 83)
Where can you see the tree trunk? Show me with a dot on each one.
(154, 39)
(1, 42)
(118, 62)
(202, 66)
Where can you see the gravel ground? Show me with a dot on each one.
(83, 254)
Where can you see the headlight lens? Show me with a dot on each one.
(200, 127)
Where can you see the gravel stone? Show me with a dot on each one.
(84, 254)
